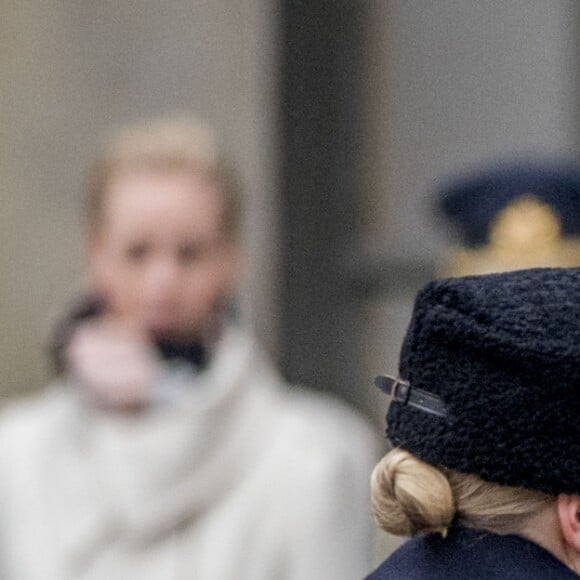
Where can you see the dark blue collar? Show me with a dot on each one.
(467, 554)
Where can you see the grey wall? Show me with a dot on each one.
(448, 84)
(69, 71)
(452, 84)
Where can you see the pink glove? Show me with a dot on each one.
(115, 365)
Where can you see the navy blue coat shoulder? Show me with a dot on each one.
(472, 555)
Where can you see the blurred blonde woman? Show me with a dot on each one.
(485, 422)
(169, 447)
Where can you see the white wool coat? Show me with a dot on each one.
(230, 475)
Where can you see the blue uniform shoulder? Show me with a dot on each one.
(472, 555)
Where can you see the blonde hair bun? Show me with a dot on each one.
(410, 496)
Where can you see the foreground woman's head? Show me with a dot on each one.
(486, 418)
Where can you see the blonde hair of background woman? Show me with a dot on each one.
(167, 145)
(410, 496)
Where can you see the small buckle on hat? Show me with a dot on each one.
(396, 388)
(402, 392)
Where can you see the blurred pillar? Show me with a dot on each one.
(319, 80)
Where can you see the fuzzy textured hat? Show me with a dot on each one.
(493, 370)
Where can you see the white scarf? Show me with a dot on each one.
(149, 473)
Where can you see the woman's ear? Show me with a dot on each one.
(92, 243)
(569, 517)
(234, 266)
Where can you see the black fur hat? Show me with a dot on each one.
(493, 370)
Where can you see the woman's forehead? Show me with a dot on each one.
(164, 200)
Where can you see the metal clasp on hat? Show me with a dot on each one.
(396, 388)
(401, 392)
